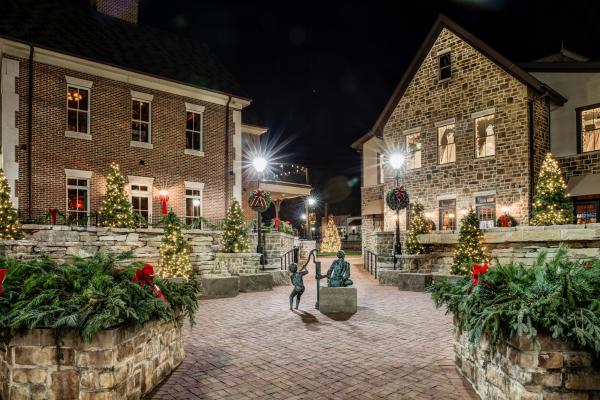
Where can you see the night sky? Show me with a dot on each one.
(319, 73)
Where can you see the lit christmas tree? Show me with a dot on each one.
(418, 225)
(235, 235)
(10, 228)
(174, 254)
(116, 209)
(551, 205)
(331, 240)
(469, 249)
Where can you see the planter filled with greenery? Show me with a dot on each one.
(527, 331)
(90, 326)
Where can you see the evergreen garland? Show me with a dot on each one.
(551, 205)
(235, 235)
(331, 240)
(174, 253)
(469, 249)
(10, 227)
(116, 209)
(418, 225)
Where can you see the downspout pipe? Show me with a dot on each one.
(30, 135)
(227, 170)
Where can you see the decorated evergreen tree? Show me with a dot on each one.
(469, 249)
(235, 237)
(10, 228)
(174, 254)
(551, 205)
(331, 240)
(418, 225)
(116, 209)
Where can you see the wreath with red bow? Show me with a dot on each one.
(506, 221)
(145, 277)
(477, 271)
(259, 200)
(397, 198)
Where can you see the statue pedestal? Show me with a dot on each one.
(335, 300)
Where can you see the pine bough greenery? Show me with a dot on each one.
(86, 296)
(557, 297)
(174, 252)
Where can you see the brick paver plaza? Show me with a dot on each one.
(398, 346)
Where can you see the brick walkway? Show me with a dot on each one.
(252, 347)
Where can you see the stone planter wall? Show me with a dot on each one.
(521, 244)
(236, 263)
(61, 243)
(119, 363)
(382, 244)
(306, 246)
(275, 244)
(515, 371)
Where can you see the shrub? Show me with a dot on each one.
(558, 297)
(86, 296)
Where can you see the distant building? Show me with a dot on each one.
(475, 128)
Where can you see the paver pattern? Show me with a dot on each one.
(398, 346)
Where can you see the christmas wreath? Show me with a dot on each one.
(397, 198)
(506, 221)
(259, 200)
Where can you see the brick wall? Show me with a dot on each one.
(477, 84)
(110, 123)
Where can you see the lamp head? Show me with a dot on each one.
(311, 201)
(259, 163)
(396, 160)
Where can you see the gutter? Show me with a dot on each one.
(30, 135)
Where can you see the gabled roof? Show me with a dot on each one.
(74, 28)
(440, 23)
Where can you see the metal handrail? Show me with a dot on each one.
(370, 262)
(288, 257)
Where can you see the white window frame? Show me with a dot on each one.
(194, 186)
(411, 162)
(80, 84)
(476, 117)
(197, 109)
(143, 98)
(439, 145)
(78, 174)
(141, 181)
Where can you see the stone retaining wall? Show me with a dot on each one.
(236, 263)
(515, 371)
(521, 244)
(62, 243)
(119, 363)
(275, 244)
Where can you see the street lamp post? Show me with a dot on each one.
(310, 201)
(260, 164)
(396, 162)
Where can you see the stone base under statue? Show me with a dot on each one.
(334, 300)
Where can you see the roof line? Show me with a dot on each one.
(588, 66)
(440, 23)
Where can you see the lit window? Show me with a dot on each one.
(140, 121)
(78, 200)
(193, 131)
(380, 168)
(141, 201)
(485, 138)
(447, 215)
(446, 146)
(586, 212)
(445, 66)
(590, 129)
(486, 211)
(78, 109)
(193, 204)
(413, 149)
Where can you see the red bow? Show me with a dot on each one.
(2, 277)
(276, 222)
(145, 276)
(53, 213)
(504, 221)
(259, 200)
(477, 271)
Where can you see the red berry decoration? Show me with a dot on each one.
(259, 200)
(397, 198)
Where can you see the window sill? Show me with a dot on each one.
(143, 145)
(78, 135)
(191, 152)
(484, 158)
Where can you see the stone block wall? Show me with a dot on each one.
(236, 263)
(521, 244)
(119, 363)
(306, 246)
(580, 164)
(515, 371)
(382, 244)
(275, 244)
(368, 195)
(62, 243)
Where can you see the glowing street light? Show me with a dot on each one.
(303, 217)
(260, 164)
(311, 201)
(396, 162)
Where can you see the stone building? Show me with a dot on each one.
(474, 128)
(94, 86)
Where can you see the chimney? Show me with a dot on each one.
(126, 10)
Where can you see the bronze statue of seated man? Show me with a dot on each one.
(338, 274)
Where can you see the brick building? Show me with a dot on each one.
(475, 127)
(84, 85)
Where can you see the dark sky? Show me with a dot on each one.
(320, 72)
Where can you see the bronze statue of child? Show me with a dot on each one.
(298, 283)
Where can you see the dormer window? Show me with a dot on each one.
(445, 65)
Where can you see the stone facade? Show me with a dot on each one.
(521, 244)
(236, 263)
(62, 243)
(516, 371)
(276, 244)
(580, 164)
(477, 85)
(382, 244)
(369, 224)
(119, 363)
(306, 246)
